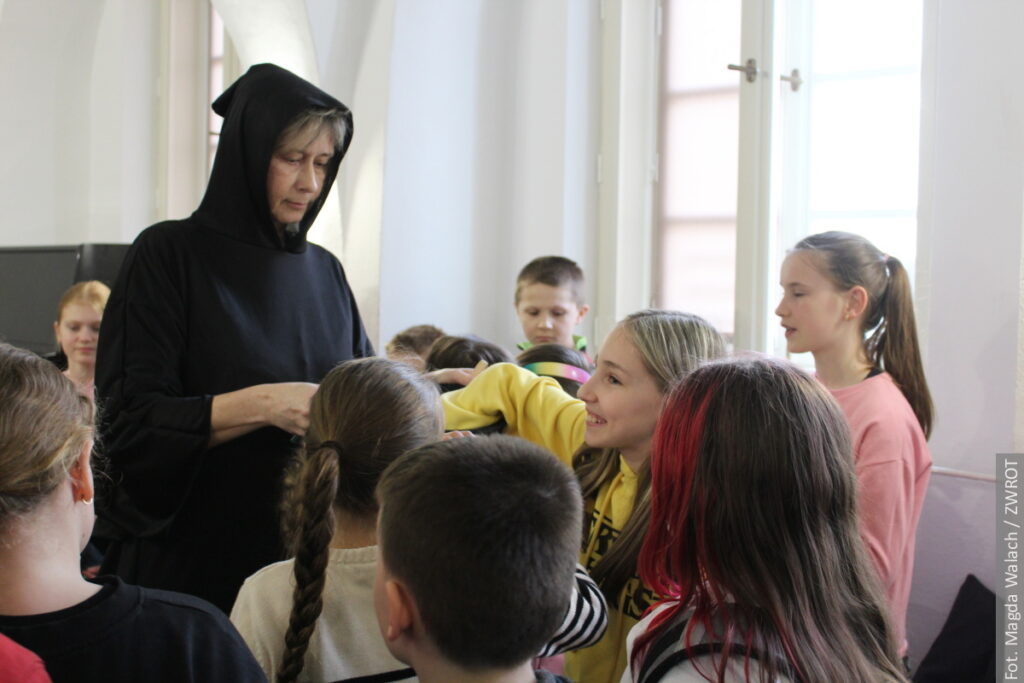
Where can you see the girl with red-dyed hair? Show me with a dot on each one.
(753, 538)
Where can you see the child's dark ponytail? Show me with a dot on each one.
(316, 487)
(849, 261)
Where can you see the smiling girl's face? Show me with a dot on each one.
(623, 400)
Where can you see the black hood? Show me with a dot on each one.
(256, 108)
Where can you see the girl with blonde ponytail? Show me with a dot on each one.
(850, 305)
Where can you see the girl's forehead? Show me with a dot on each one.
(802, 267)
(618, 349)
(80, 310)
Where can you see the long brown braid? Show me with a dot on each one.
(365, 414)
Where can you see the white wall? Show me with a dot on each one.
(78, 122)
(353, 41)
(969, 287)
(478, 122)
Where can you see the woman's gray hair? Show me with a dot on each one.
(310, 123)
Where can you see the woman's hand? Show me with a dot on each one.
(287, 405)
(284, 405)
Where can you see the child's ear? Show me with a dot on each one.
(856, 301)
(81, 476)
(400, 610)
(583, 310)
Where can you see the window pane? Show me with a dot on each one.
(863, 144)
(698, 270)
(704, 37)
(700, 156)
(867, 34)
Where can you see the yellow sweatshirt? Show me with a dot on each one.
(537, 410)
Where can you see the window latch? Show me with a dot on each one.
(793, 79)
(750, 69)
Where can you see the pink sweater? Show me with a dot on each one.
(893, 467)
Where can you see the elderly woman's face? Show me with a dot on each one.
(296, 176)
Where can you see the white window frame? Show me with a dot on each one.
(627, 164)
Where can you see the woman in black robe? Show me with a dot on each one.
(217, 329)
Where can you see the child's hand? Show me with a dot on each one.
(457, 434)
(461, 376)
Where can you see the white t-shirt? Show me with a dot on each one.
(346, 641)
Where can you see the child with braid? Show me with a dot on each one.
(313, 615)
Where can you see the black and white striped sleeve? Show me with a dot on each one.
(585, 620)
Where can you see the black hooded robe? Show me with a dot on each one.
(205, 306)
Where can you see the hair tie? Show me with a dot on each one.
(887, 265)
(333, 445)
(563, 370)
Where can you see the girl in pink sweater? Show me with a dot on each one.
(850, 305)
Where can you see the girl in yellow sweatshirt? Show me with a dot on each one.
(605, 436)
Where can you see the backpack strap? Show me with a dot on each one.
(662, 655)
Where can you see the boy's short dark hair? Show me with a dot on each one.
(484, 533)
(416, 339)
(554, 271)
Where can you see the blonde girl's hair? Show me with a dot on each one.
(671, 345)
(91, 292)
(44, 425)
(365, 414)
(889, 327)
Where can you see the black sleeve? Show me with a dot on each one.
(151, 432)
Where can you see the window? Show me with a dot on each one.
(843, 148)
(223, 69)
(700, 119)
